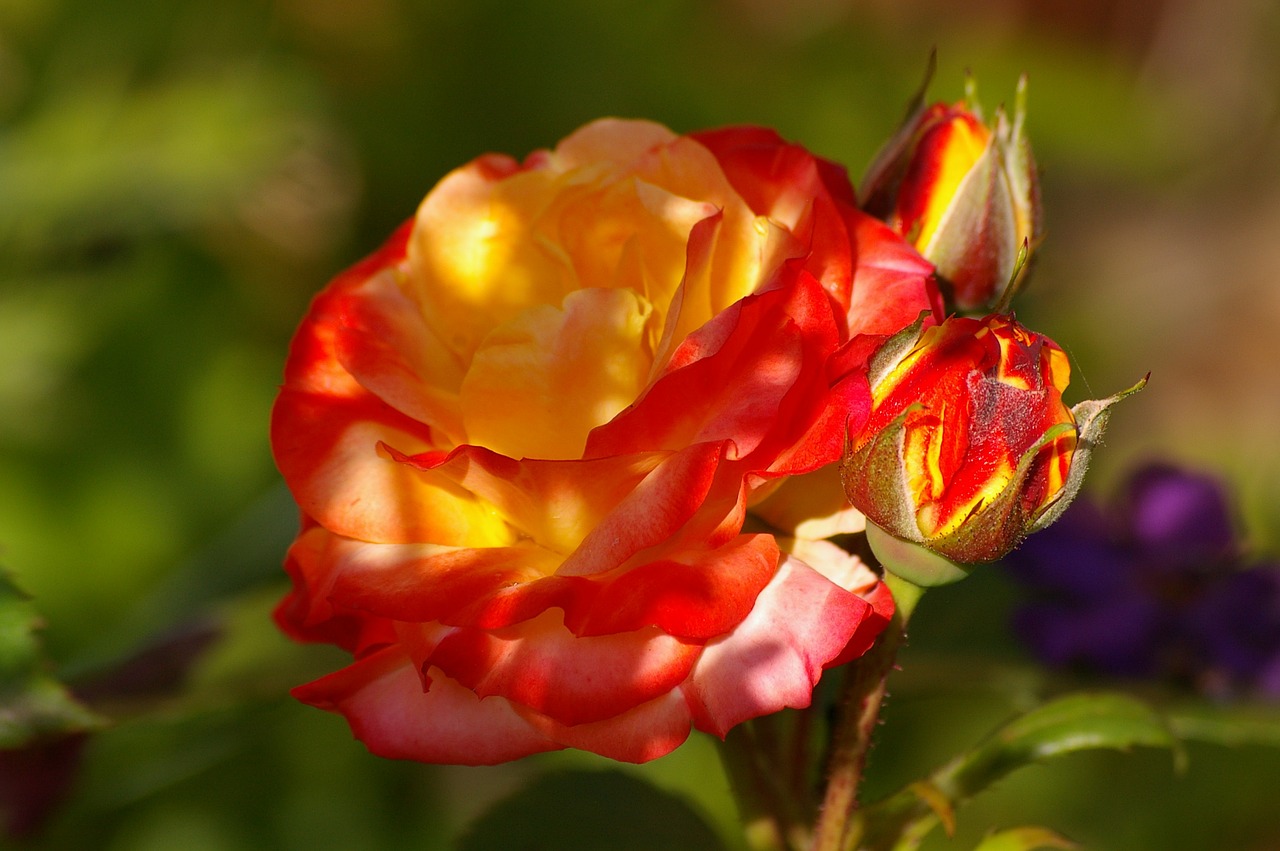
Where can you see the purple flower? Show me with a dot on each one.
(1157, 586)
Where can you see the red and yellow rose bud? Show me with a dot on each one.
(969, 447)
(965, 194)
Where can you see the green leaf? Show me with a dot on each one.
(1087, 721)
(1076, 722)
(1230, 725)
(590, 811)
(1023, 839)
(32, 703)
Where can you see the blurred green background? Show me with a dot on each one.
(177, 179)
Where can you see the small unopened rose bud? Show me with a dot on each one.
(969, 447)
(965, 193)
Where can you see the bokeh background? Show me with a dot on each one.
(177, 179)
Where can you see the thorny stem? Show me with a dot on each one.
(859, 712)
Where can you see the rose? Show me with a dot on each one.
(966, 194)
(969, 446)
(525, 434)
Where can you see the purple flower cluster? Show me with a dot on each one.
(1155, 585)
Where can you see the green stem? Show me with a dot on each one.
(764, 814)
(859, 712)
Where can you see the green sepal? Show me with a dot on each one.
(978, 220)
(893, 350)
(878, 464)
(913, 562)
(1091, 421)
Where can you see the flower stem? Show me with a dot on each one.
(859, 712)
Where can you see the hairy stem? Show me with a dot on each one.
(859, 713)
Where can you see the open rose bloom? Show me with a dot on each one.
(526, 435)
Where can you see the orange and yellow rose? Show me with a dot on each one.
(525, 436)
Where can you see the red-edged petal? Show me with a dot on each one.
(790, 185)
(852, 574)
(801, 622)
(417, 583)
(573, 680)
(326, 427)
(892, 283)
(646, 732)
(396, 715)
(728, 379)
(306, 612)
(558, 503)
(696, 595)
(384, 342)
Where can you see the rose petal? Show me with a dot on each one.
(474, 261)
(327, 449)
(383, 340)
(395, 715)
(801, 622)
(573, 680)
(539, 383)
(307, 614)
(641, 734)
(892, 283)
(728, 379)
(789, 185)
(811, 506)
(696, 595)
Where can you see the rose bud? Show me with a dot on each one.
(965, 194)
(969, 447)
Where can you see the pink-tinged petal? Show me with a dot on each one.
(641, 734)
(563, 505)
(892, 283)
(395, 715)
(801, 622)
(695, 596)
(573, 680)
(852, 574)
(811, 506)
(538, 384)
(611, 140)
(387, 346)
(882, 609)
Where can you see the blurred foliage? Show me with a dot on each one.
(35, 705)
(177, 179)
